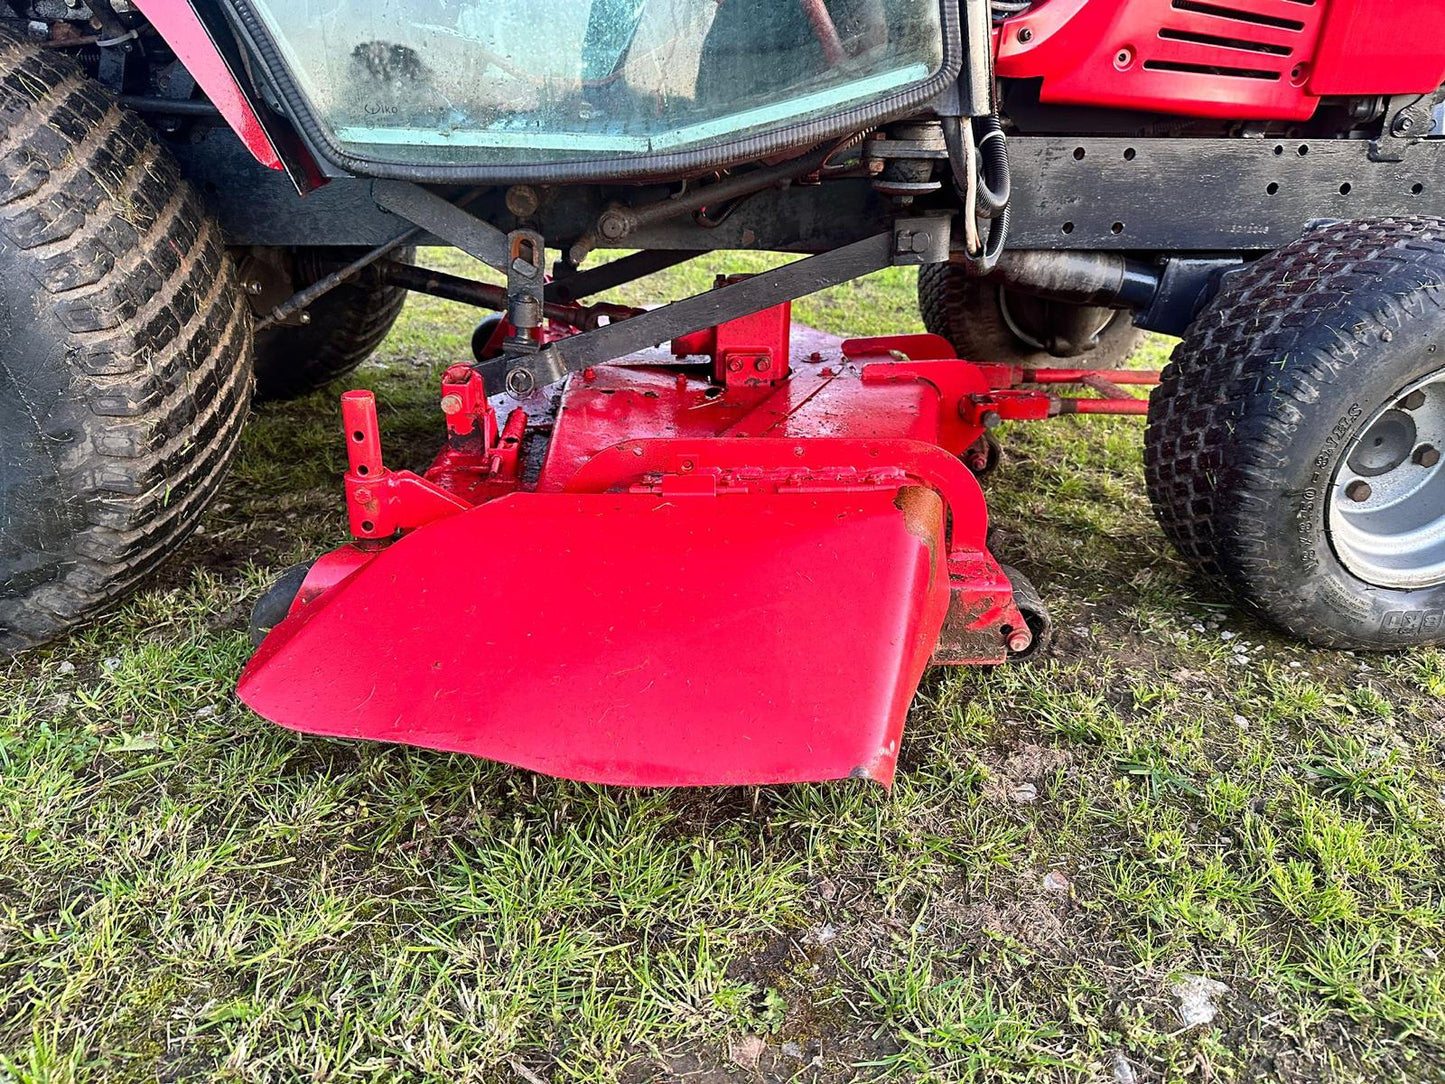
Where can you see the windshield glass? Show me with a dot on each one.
(533, 81)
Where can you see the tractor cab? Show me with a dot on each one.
(610, 87)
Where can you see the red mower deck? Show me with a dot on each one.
(729, 567)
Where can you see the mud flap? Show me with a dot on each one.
(631, 638)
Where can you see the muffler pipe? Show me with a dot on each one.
(1083, 278)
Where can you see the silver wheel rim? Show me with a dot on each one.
(1387, 501)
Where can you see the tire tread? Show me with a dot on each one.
(158, 335)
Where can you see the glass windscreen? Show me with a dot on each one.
(535, 81)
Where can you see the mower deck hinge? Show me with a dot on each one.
(465, 407)
(526, 279)
(381, 502)
(750, 350)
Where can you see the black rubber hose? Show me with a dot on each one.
(995, 188)
(993, 192)
(953, 140)
(997, 238)
(994, 185)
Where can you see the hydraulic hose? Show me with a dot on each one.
(997, 238)
(984, 187)
(994, 186)
(963, 159)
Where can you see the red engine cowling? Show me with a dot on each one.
(1242, 59)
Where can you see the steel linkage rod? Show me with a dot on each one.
(300, 300)
(484, 295)
(520, 374)
(573, 285)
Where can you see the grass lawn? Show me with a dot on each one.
(1174, 797)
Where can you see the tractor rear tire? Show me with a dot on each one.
(986, 322)
(1320, 363)
(125, 349)
(344, 327)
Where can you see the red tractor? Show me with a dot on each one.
(694, 544)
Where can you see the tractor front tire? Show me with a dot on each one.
(987, 322)
(1294, 446)
(343, 328)
(125, 349)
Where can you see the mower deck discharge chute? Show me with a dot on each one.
(635, 638)
(725, 567)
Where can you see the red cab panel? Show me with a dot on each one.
(1235, 59)
(1381, 47)
(1244, 59)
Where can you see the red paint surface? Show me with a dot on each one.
(1381, 47)
(627, 639)
(192, 43)
(709, 581)
(1119, 53)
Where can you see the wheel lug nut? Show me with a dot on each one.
(1426, 455)
(1358, 491)
(1414, 401)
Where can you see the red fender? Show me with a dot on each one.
(184, 32)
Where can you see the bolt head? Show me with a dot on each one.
(991, 419)
(1025, 34)
(1359, 491)
(735, 365)
(520, 382)
(522, 200)
(762, 365)
(303, 317)
(451, 404)
(1020, 641)
(253, 287)
(1426, 455)
(1414, 401)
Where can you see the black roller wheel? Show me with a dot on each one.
(1035, 613)
(341, 329)
(125, 348)
(482, 336)
(271, 608)
(986, 322)
(1294, 447)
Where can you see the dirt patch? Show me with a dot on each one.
(1018, 776)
